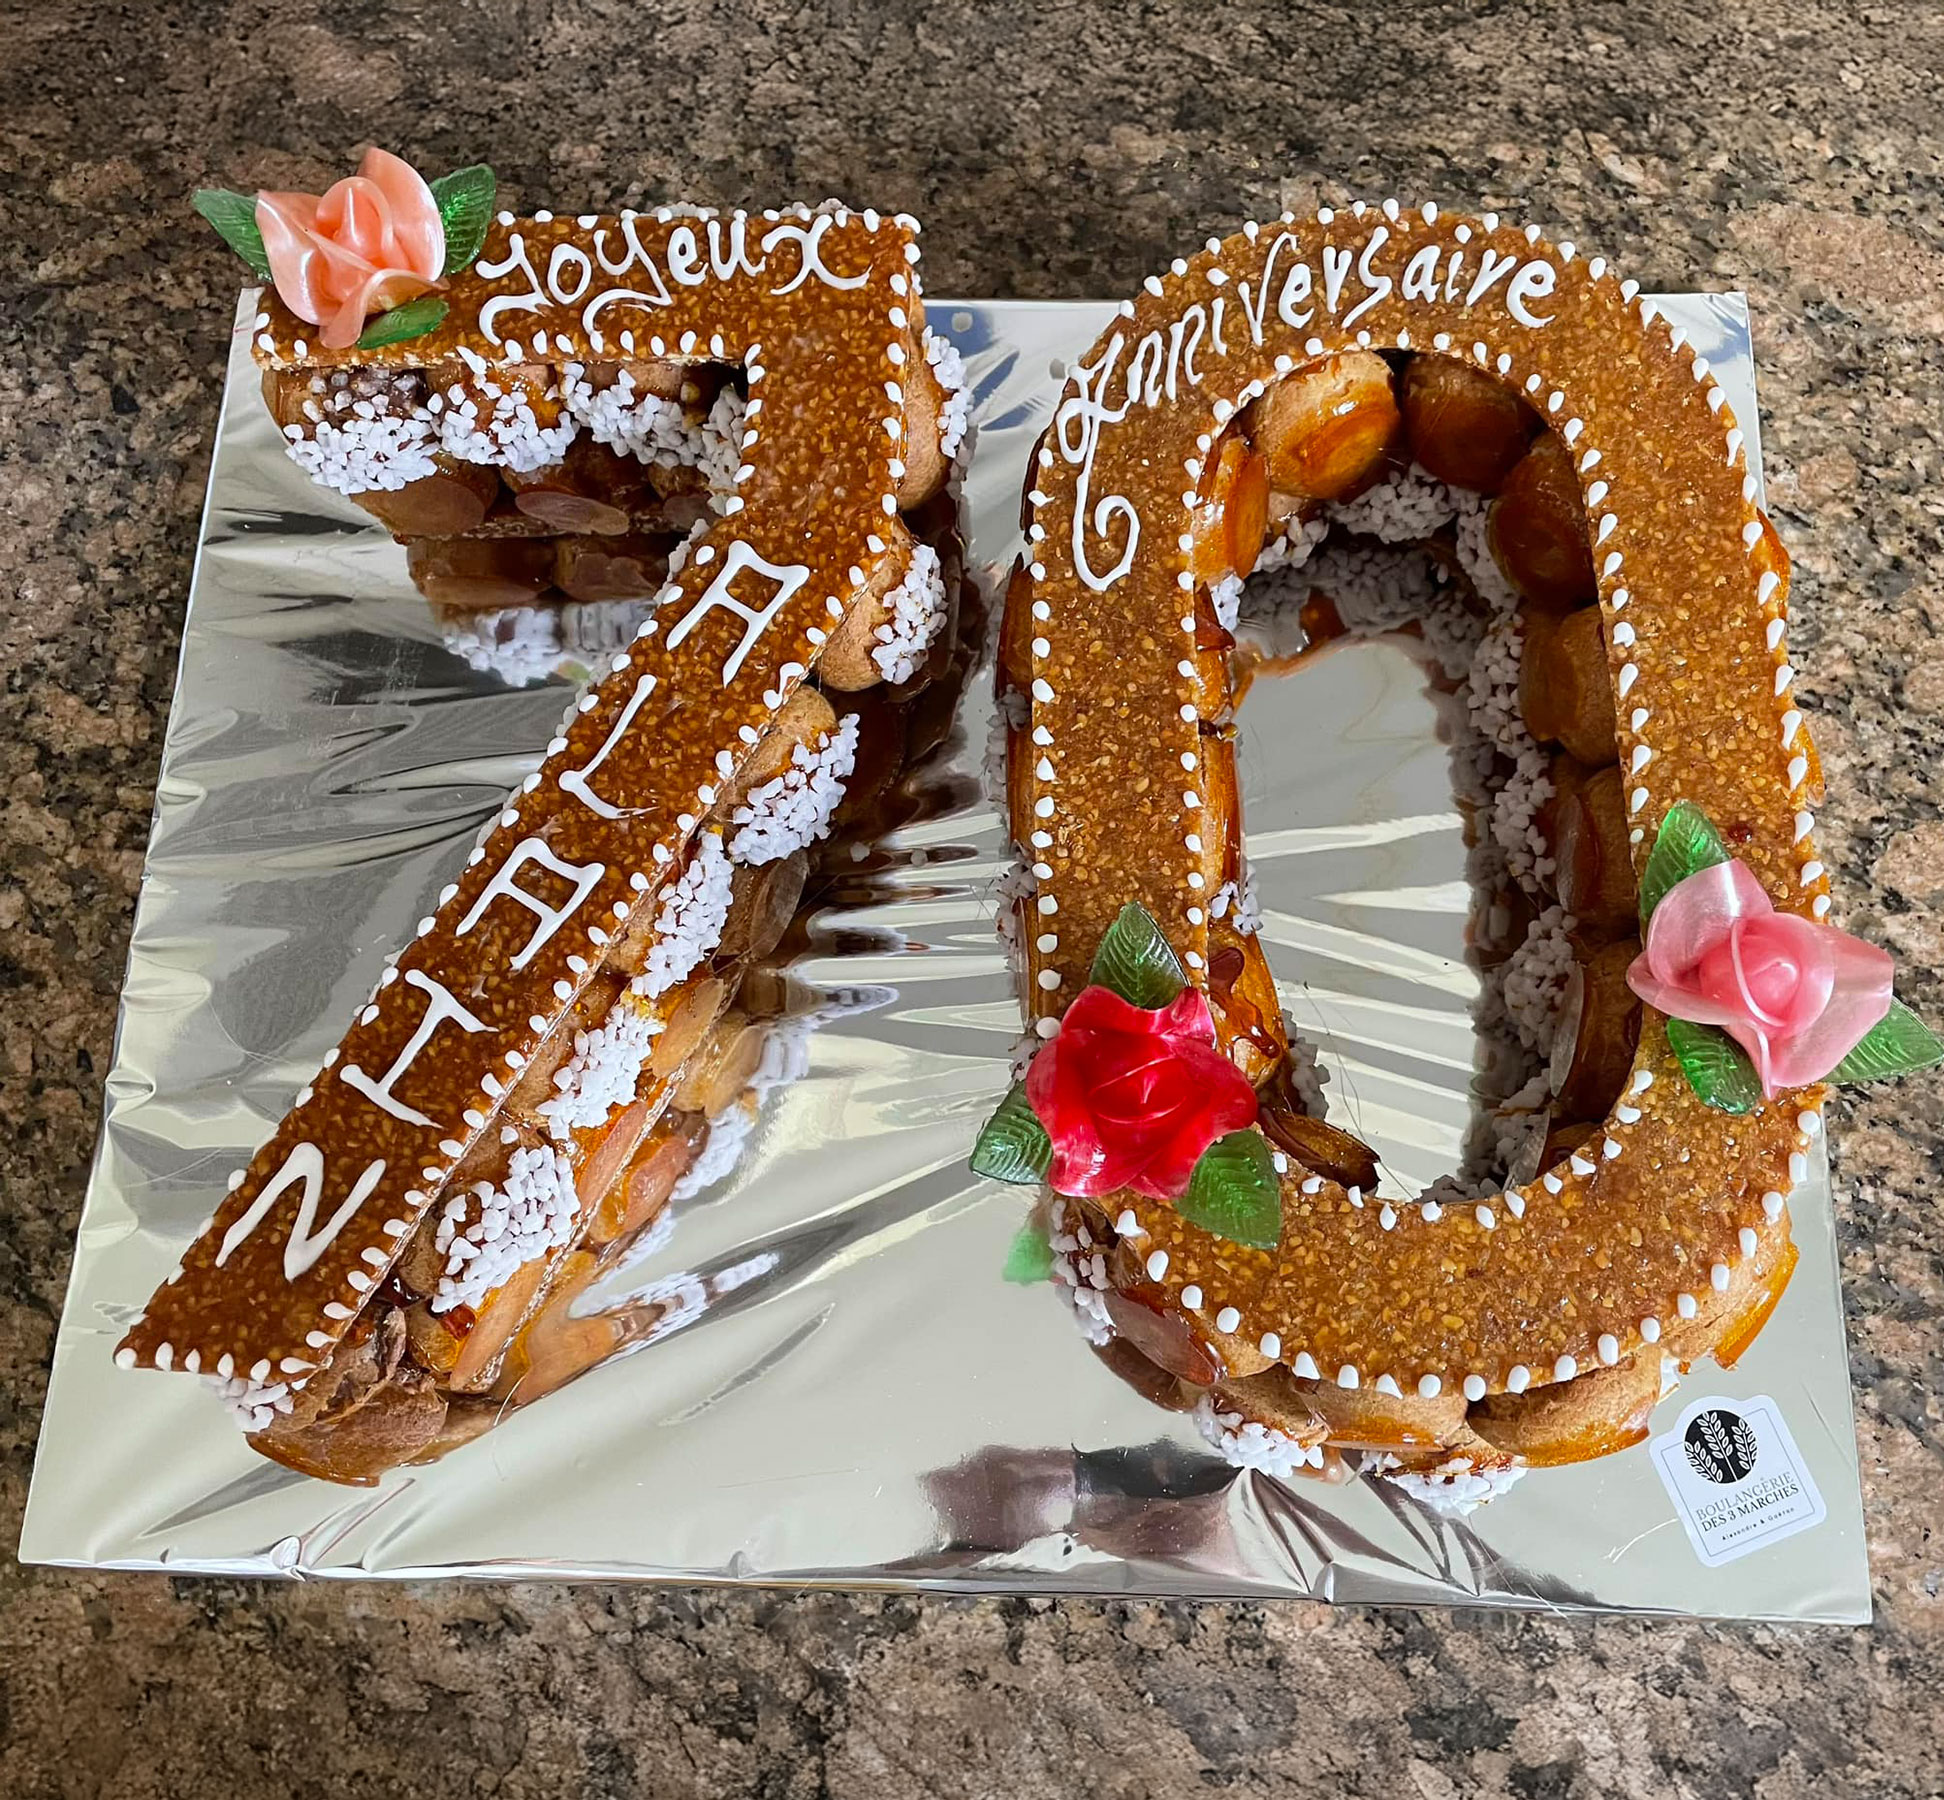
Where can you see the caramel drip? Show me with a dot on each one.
(1242, 1018)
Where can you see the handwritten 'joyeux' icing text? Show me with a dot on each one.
(719, 253)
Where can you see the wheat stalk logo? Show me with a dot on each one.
(1721, 1447)
(1701, 1462)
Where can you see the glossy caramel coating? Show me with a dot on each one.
(1565, 685)
(847, 664)
(1234, 512)
(1594, 873)
(1538, 528)
(1369, 1418)
(1599, 1030)
(1464, 428)
(925, 464)
(591, 490)
(1572, 1421)
(631, 566)
(403, 1423)
(447, 504)
(1324, 430)
(468, 574)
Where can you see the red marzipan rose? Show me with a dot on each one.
(1132, 1097)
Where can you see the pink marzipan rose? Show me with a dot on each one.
(1797, 996)
(374, 240)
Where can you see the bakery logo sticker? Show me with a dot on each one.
(1735, 1476)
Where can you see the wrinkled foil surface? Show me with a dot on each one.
(835, 1385)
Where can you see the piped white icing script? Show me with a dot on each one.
(440, 1007)
(1372, 265)
(638, 277)
(788, 577)
(1213, 339)
(303, 1169)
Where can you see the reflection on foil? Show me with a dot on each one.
(818, 1375)
(786, 1058)
(614, 1294)
(1361, 868)
(626, 1308)
(566, 640)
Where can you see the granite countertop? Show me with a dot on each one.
(1062, 152)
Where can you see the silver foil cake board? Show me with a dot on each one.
(851, 1395)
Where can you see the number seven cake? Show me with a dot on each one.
(526, 1082)
(1404, 419)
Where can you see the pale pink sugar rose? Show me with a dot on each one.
(374, 240)
(1797, 996)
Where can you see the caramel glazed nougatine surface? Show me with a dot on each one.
(626, 846)
(1420, 1330)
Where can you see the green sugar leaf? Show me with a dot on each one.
(465, 200)
(1136, 961)
(1894, 1045)
(1686, 843)
(1716, 1066)
(234, 216)
(1234, 1192)
(414, 319)
(1030, 1257)
(1013, 1146)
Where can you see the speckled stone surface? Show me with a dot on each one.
(1795, 151)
